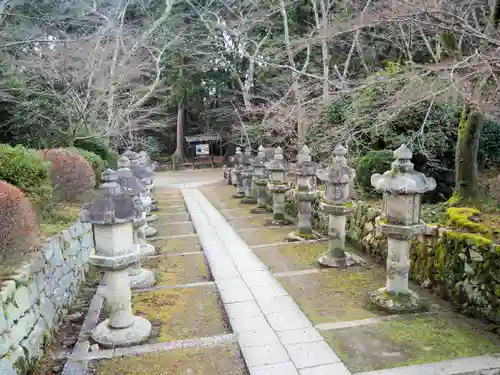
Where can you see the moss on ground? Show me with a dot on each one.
(410, 340)
(335, 295)
(265, 235)
(175, 229)
(178, 270)
(258, 221)
(293, 256)
(225, 360)
(176, 245)
(164, 220)
(178, 314)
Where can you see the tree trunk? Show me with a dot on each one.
(179, 150)
(466, 174)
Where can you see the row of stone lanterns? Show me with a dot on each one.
(119, 218)
(402, 188)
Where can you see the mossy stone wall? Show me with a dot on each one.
(462, 268)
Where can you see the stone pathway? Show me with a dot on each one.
(233, 298)
(273, 333)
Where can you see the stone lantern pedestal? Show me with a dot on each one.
(278, 187)
(305, 194)
(402, 187)
(238, 171)
(247, 175)
(112, 215)
(337, 204)
(260, 181)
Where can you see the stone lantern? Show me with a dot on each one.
(144, 171)
(139, 277)
(247, 175)
(402, 189)
(337, 203)
(306, 194)
(238, 170)
(278, 187)
(112, 215)
(145, 161)
(232, 172)
(260, 181)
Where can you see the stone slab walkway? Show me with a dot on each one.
(274, 335)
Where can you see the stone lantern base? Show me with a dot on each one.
(108, 337)
(151, 218)
(239, 195)
(249, 200)
(141, 278)
(278, 220)
(147, 249)
(261, 210)
(328, 259)
(394, 303)
(150, 231)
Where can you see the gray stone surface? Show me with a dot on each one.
(35, 301)
(333, 369)
(285, 368)
(311, 354)
(107, 337)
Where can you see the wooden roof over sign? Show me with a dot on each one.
(202, 137)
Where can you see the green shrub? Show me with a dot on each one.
(373, 162)
(95, 161)
(26, 170)
(99, 148)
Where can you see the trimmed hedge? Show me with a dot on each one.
(95, 161)
(18, 228)
(72, 176)
(373, 162)
(26, 170)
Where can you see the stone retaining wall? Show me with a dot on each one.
(461, 267)
(33, 302)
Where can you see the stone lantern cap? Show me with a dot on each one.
(339, 172)
(113, 206)
(131, 155)
(260, 160)
(278, 163)
(247, 159)
(237, 159)
(126, 179)
(144, 159)
(143, 173)
(305, 166)
(402, 178)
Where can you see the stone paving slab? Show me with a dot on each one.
(251, 283)
(175, 270)
(165, 220)
(175, 229)
(224, 360)
(178, 314)
(269, 235)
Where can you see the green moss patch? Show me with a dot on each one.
(265, 235)
(176, 245)
(409, 340)
(176, 270)
(225, 360)
(468, 219)
(334, 295)
(293, 256)
(174, 229)
(178, 314)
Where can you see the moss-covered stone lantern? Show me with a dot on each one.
(248, 173)
(260, 181)
(278, 187)
(139, 277)
(402, 188)
(112, 215)
(238, 171)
